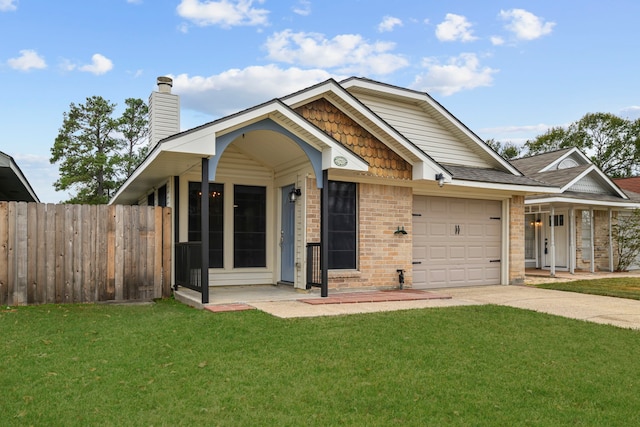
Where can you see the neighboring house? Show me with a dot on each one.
(384, 176)
(631, 187)
(571, 231)
(14, 187)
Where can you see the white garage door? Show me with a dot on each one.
(456, 242)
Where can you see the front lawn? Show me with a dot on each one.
(167, 364)
(622, 287)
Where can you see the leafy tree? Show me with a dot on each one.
(611, 141)
(626, 237)
(507, 150)
(134, 127)
(93, 158)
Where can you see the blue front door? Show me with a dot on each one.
(287, 235)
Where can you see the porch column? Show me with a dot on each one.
(593, 250)
(552, 264)
(324, 234)
(204, 232)
(572, 240)
(610, 241)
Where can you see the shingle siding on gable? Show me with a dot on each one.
(382, 160)
(425, 132)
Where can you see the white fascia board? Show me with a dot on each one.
(427, 171)
(571, 201)
(424, 97)
(333, 158)
(137, 172)
(532, 189)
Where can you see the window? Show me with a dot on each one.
(342, 225)
(530, 236)
(216, 220)
(558, 221)
(150, 200)
(585, 231)
(249, 226)
(162, 196)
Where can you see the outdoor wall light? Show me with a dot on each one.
(440, 179)
(400, 230)
(294, 194)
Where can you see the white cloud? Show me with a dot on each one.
(497, 40)
(237, 89)
(389, 23)
(454, 28)
(225, 13)
(303, 7)
(525, 25)
(99, 65)
(8, 5)
(459, 73)
(632, 112)
(347, 53)
(134, 1)
(28, 60)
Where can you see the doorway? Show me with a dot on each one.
(287, 236)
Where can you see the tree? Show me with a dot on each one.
(626, 237)
(611, 141)
(134, 127)
(90, 151)
(507, 150)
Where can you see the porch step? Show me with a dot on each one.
(223, 308)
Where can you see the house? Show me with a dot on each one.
(631, 184)
(14, 187)
(572, 230)
(345, 184)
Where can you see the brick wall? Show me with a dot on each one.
(516, 240)
(600, 243)
(381, 209)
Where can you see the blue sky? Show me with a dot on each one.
(509, 70)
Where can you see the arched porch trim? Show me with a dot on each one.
(222, 142)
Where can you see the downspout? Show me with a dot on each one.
(204, 231)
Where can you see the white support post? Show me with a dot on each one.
(593, 249)
(553, 243)
(572, 241)
(610, 241)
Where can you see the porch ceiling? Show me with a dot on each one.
(272, 149)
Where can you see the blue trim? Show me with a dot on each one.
(222, 142)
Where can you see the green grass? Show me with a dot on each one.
(167, 364)
(622, 287)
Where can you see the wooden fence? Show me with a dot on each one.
(83, 253)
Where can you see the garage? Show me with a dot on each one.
(456, 242)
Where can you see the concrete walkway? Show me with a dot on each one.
(286, 302)
(613, 311)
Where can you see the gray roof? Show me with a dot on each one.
(533, 164)
(491, 176)
(14, 187)
(560, 177)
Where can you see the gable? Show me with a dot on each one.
(593, 184)
(425, 132)
(383, 161)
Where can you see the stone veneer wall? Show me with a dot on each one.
(600, 244)
(381, 209)
(516, 240)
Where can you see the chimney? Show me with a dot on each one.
(164, 111)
